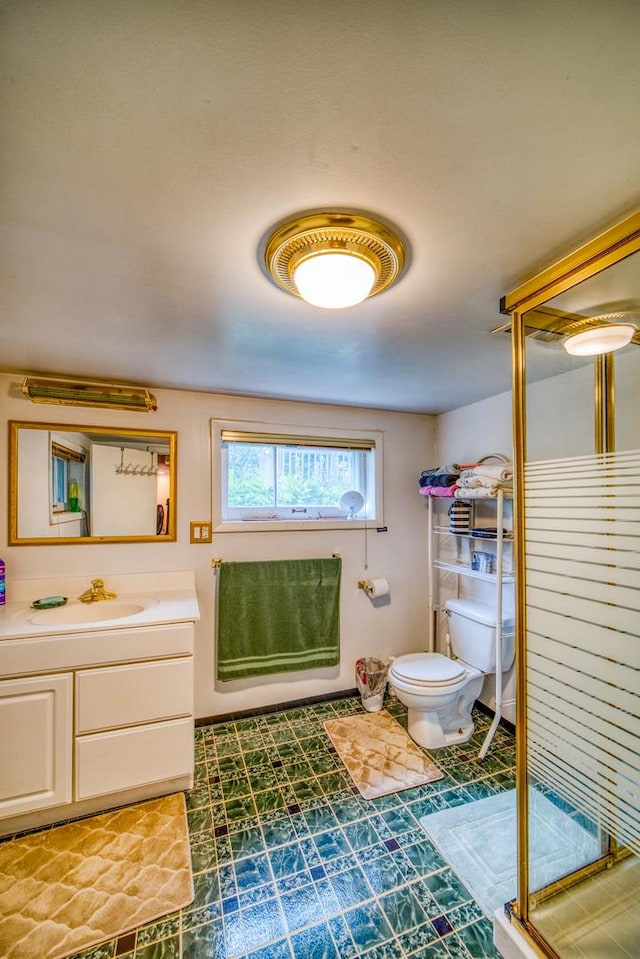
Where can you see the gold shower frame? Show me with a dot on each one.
(598, 254)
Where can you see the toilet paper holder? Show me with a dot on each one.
(374, 588)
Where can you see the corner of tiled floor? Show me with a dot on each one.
(290, 862)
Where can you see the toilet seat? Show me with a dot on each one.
(429, 670)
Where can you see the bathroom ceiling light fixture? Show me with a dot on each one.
(599, 339)
(101, 395)
(334, 260)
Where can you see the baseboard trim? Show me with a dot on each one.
(312, 701)
(276, 707)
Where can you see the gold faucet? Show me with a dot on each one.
(97, 592)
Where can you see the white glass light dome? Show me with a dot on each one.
(600, 339)
(334, 280)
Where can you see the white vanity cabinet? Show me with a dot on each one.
(91, 720)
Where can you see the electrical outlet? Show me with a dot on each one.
(200, 532)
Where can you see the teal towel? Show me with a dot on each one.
(278, 616)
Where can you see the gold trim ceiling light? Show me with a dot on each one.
(99, 395)
(600, 336)
(334, 260)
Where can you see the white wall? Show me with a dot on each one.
(122, 504)
(399, 554)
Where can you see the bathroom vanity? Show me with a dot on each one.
(96, 699)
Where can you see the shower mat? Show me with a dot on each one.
(380, 756)
(478, 840)
(65, 889)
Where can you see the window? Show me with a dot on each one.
(295, 476)
(67, 467)
(59, 482)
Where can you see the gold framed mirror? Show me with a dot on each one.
(90, 484)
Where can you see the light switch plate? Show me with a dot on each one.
(200, 532)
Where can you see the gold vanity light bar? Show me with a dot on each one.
(101, 395)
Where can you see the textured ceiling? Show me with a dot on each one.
(149, 145)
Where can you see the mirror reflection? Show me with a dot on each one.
(85, 483)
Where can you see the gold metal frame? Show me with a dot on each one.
(605, 250)
(310, 234)
(608, 248)
(169, 436)
(547, 323)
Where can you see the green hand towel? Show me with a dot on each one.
(278, 616)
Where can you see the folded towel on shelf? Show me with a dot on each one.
(480, 492)
(500, 473)
(487, 532)
(489, 474)
(438, 479)
(438, 490)
(440, 475)
(475, 482)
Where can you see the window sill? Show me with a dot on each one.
(297, 525)
(66, 516)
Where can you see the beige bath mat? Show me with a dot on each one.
(380, 756)
(65, 889)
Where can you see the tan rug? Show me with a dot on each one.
(380, 756)
(71, 887)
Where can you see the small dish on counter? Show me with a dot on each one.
(49, 602)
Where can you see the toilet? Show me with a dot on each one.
(439, 691)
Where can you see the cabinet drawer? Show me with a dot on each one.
(110, 762)
(117, 696)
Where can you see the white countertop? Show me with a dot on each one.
(164, 598)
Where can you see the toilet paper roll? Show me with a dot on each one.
(377, 587)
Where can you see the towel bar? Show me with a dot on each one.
(216, 562)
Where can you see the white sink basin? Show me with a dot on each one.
(78, 613)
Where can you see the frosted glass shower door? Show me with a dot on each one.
(582, 609)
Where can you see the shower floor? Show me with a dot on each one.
(597, 918)
(290, 862)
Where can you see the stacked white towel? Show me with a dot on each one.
(480, 492)
(485, 480)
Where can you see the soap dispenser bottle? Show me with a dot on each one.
(3, 596)
(73, 496)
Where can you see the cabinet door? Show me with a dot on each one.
(118, 696)
(36, 737)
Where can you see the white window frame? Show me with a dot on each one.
(218, 474)
(67, 453)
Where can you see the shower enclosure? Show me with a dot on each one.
(577, 465)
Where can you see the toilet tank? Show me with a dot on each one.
(472, 629)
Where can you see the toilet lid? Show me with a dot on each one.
(428, 669)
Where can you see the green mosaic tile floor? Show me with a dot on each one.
(290, 862)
